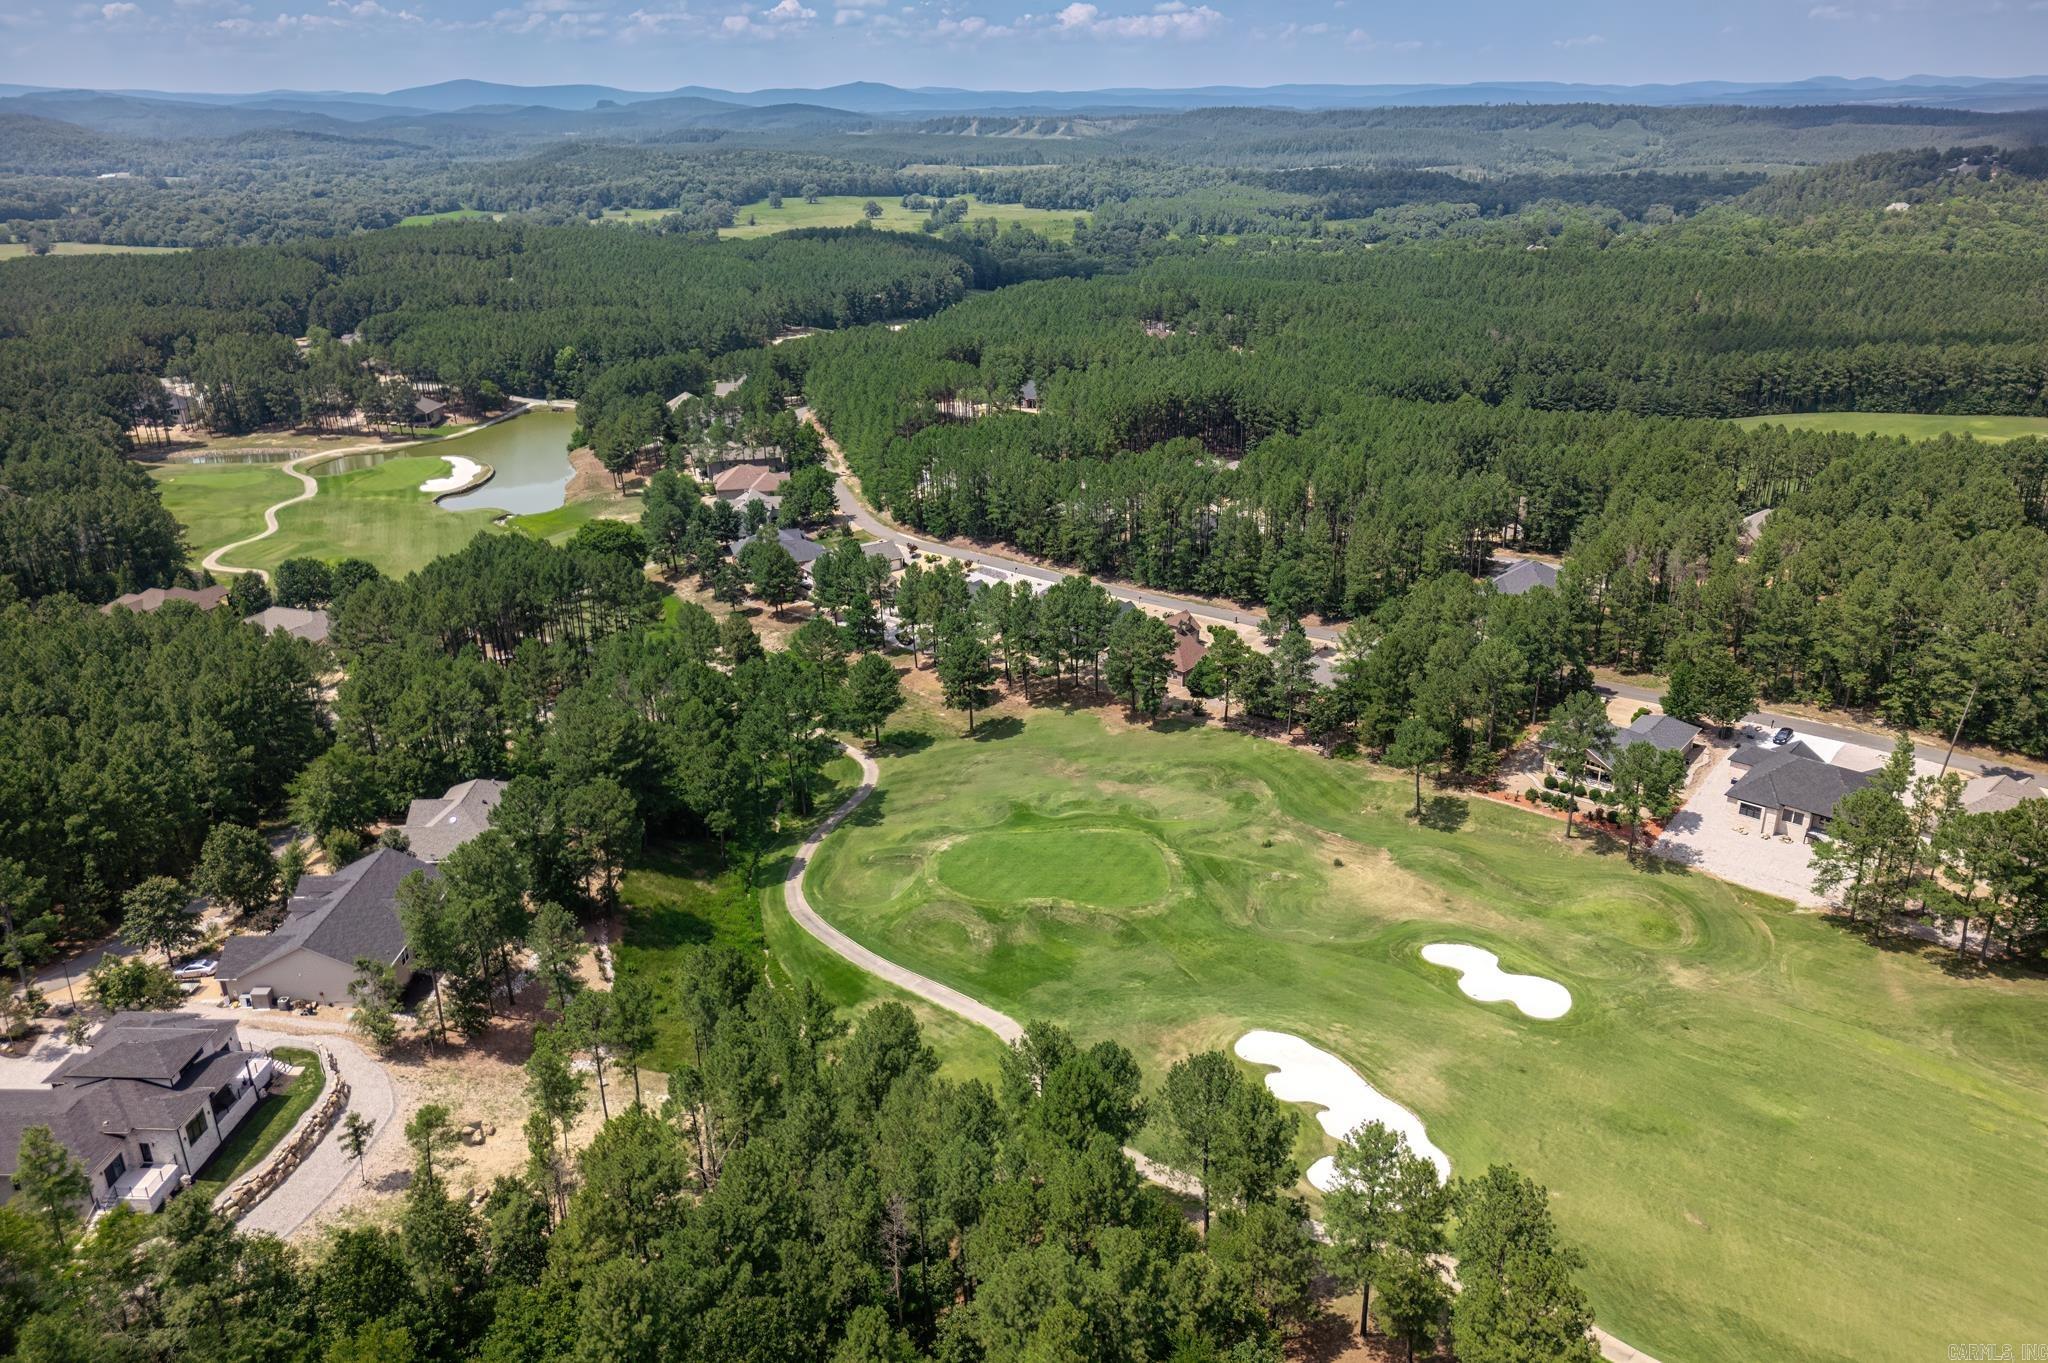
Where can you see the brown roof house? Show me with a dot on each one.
(144, 1108)
(332, 922)
(156, 598)
(1189, 648)
(748, 482)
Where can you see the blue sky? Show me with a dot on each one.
(750, 44)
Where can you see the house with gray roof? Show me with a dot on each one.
(153, 599)
(332, 922)
(1524, 575)
(801, 547)
(1662, 732)
(144, 1107)
(1792, 792)
(434, 828)
(1989, 794)
(300, 624)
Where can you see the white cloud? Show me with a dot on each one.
(1173, 19)
(1834, 13)
(789, 12)
(1583, 40)
(119, 10)
(1363, 40)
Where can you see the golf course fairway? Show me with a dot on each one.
(1751, 1121)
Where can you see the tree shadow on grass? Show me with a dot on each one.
(1444, 813)
(1180, 723)
(870, 811)
(994, 730)
(903, 742)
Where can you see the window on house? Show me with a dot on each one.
(1794, 816)
(1749, 811)
(195, 1128)
(116, 1167)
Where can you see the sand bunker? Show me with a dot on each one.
(461, 473)
(1304, 1074)
(1480, 976)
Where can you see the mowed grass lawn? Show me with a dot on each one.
(1908, 424)
(377, 513)
(221, 503)
(1770, 1139)
(262, 1129)
(844, 210)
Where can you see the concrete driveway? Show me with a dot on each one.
(1707, 835)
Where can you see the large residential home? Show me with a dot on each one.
(1524, 575)
(739, 483)
(292, 620)
(801, 547)
(154, 599)
(434, 828)
(332, 922)
(1789, 790)
(1189, 648)
(1661, 732)
(144, 1107)
(1989, 794)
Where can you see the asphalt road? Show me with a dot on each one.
(859, 515)
(1840, 733)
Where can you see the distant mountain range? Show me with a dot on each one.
(269, 108)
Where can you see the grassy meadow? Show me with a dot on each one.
(844, 210)
(1907, 424)
(1758, 1127)
(19, 250)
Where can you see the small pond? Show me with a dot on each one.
(529, 456)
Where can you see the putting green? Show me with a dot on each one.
(1760, 1130)
(1101, 868)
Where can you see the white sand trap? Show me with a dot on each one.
(460, 474)
(1304, 1074)
(1480, 976)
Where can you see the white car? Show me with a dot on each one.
(196, 969)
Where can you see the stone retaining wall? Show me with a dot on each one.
(252, 1188)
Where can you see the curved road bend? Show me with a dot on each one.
(953, 1001)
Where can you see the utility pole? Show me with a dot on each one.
(1956, 737)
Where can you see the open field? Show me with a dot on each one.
(262, 1129)
(844, 210)
(377, 513)
(449, 215)
(18, 250)
(1759, 1128)
(220, 503)
(1907, 424)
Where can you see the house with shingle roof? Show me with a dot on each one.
(144, 1107)
(1989, 794)
(434, 828)
(1662, 732)
(1525, 575)
(332, 922)
(1793, 792)
(292, 620)
(154, 599)
(1189, 648)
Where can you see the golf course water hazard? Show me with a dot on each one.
(529, 460)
